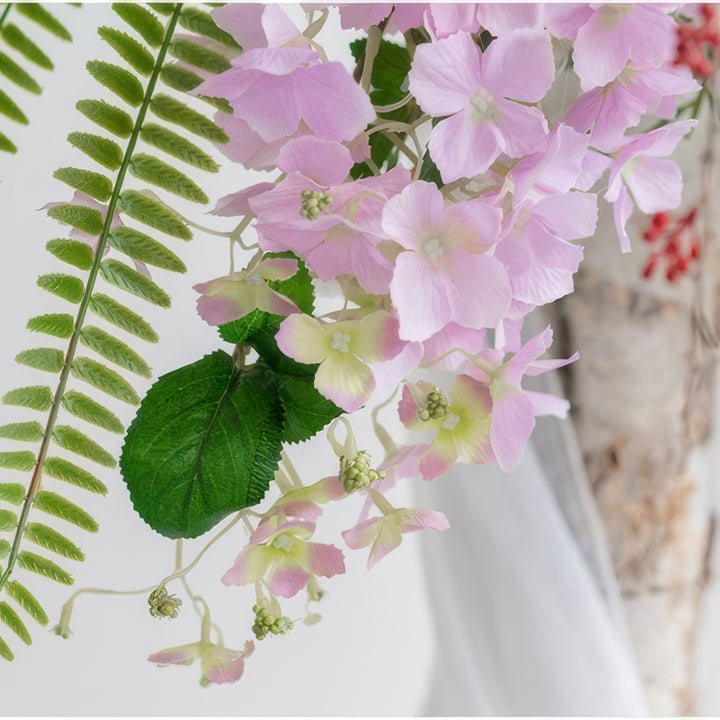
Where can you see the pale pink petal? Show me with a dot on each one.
(655, 184)
(461, 148)
(229, 671)
(452, 336)
(361, 16)
(345, 380)
(622, 210)
(480, 292)
(302, 338)
(377, 338)
(236, 204)
(473, 225)
(245, 145)
(523, 128)
(450, 18)
(538, 367)
(572, 216)
(389, 537)
(255, 25)
(181, 655)
(408, 411)
(513, 420)
(269, 106)
(333, 105)
(528, 354)
(519, 65)
(444, 74)
(363, 533)
(499, 18)
(277, 268)
(287, 578)
(413, 520)
(325, 163)
(389, 373)
(546, 404)
(414, 213)
(249, 566)
(324, 560)
(418, 293)
(439, 457)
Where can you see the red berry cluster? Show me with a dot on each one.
(698, 44)
(680, 243)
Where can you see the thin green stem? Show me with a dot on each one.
(5, 14)
(85, 302)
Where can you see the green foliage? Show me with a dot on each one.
(42, 566)
(157, 172)
(118, 80)
(114, 350)
(4, 548)
(76, 442)
(23, 460)
(205, 442)
(129, 49)
(143, 248)
(41, 16)
(35, 397)
(429, 171)
(85, 408)
(13, 493)
(102, 378)
(72, 252)
(11, 110)
(173, 111)
(68, 472)
(201, 57)
(26, 600)
(13, 621)
(142, 21)
(6, 145)
(47, 359)
(177, 146)
(102, 150)
(18, 40)
(152, 213)
(162, 8)
(57, 506)
(24, 431)
(13, 72)
(55, 324)
(86, 181)
(50, 539)
(117, 314)
(125, 278)
(83, 218)
(107, 116)
(67, 287)
(201, 22)
(8, 520)
(5, 651)
(179, 78)
(388, 77)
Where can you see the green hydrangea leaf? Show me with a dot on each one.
(206, 441)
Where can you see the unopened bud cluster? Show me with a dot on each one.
(266, 622)
(314, 201)
(436, 406)
(357, 473)
(162, 604)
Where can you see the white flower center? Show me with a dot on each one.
(450, 421)
(340, 341)
(481, 106)
(433, 249)
(283, 542)
(253, 279)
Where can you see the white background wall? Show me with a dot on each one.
(371, 654)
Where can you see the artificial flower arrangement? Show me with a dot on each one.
(436, 188)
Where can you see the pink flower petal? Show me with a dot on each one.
(325, 163)
(513, 420)
(303, 339)
(345, 380)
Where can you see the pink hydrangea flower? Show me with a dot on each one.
(462, 433)
(640, 176)
(361, 16)
(513, 408)
(385, 533)
(613, 35)
(257, 25)
(610, 110)
(234, 296)
(479, 92)
(303, 503)
(273, 89)
(445, 273)
(343, 350)
(218, 664)
(342, 237)
(280, 553)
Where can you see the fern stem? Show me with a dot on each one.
(85, 302)
(5, 14)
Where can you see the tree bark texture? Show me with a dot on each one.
(642, 398)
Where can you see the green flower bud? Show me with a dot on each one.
(313, 202)
(357, 473)
(436, 406)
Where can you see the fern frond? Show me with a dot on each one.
(86, 181)
(13, 621)
(120, 157)
(17, 41)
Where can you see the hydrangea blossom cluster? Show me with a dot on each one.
(441, 251)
